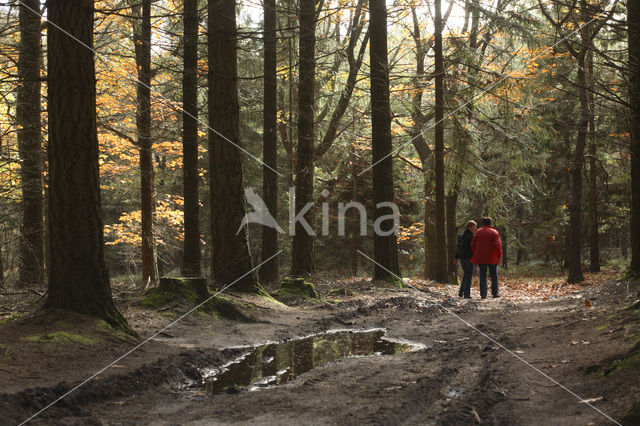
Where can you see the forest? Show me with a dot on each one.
(221, 211)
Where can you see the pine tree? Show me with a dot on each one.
(78, 276)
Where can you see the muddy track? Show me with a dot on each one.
(175, 371)
(458, 377)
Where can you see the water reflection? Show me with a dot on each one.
(278, 363)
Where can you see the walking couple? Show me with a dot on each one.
(482, 248)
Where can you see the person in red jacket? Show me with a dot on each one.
(487, 252)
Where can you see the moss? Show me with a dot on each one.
(603, 327)
(341, 291)
(59, 337)
(154, 298)
(225, 308)
(103, 325)
(181, 291)
(630, 361)
(633, 415)
(392, 280)
(61, 324)
(292, 289)
(11, 317)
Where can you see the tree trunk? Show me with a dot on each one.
(230, 255)
(385, 248)
(355, 228)
(633, 19)
(594, 243)
(191, 260)
(30, 146)
(142, 35)
(505, 247)
(423, 150)
(575, 204)
(452, 237)
(302, 262)
(438, 152)
(269, 270)
(429, 228)
(78, 276)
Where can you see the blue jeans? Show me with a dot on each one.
(467, 275)
(493, 270)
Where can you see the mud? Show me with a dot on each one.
(459, 376)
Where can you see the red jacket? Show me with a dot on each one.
(486, 246)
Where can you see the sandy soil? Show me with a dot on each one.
(494, 361)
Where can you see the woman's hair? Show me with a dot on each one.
(486, 221)
(471, 223)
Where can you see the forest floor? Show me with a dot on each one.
(544, 352)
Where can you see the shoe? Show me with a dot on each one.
(483, 297)
(467, 297)
(495, 296)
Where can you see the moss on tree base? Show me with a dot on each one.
(391, 280)
(188, 292)
(292, 289)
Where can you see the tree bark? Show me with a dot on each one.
(78, 276)
(575, 204)
(594, 239)
(452, 237)
(633, 20)
(269, 270)
(191, 266)
(423, 150)
(142, 36)
(30, 146)
(302, 257)
(440, 274)
(385, 248)
(355, 228)
(230, 255)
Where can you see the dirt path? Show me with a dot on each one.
(459, 376)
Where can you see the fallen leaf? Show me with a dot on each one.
(476, 416)
(587, 303)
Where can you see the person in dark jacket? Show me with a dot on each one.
(464, 254)
(487, 252)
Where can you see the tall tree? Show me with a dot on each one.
(355, 62)
(440, 272)
(302, 262)
(230, 255)
(30, 145)
(78, 276)
(422, 147)
(587, 28)
(594, 240)
(142, 40)
(191, 254)
(269, 271)
(385, 247)
(633, 22)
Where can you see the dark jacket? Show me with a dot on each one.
(465, 240)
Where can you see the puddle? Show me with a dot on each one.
(278, 363)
